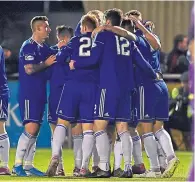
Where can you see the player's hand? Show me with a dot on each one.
(150, 24)
(62, 43)
(50, 60)
(137, 22)
(71, 65)
(97, 30)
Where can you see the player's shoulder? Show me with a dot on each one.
(28, 44)
(103, 36)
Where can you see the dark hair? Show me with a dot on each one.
(90, 21)
(37, 18)
(133, 12)
(177, 39)
(63, 30)
(114, 15)
(128, 23)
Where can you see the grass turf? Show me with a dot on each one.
(42, 159)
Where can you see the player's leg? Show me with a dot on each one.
(122, 120)
(77, 135)
(127, 147)
(161, 157)
(32, 113)
(66, 112)
(95, 158)
(110, 132)
(118, 155)
(4, 139)
(60, 169)
(161, 134)
(138, 167)
(52, 120)
(147, 101)
(86, 110)
(87, 147)
(105, 110)
(102, 144)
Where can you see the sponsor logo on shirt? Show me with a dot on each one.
(29, 58)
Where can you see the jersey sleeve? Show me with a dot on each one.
(28, 54)
(139, 61)
(77, 31)
(96, 52)
(65, 51)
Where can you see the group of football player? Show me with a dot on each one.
(105, 79)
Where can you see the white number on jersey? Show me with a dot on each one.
(121, 48)
(83, 52)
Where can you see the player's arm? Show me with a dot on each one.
(141, 62)
(28, 58)
(33, 68)
(151, 38)
(117, 30)
(95, 54)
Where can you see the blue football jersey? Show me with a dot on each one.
(79, 48)
(33, 86)
(4, 90)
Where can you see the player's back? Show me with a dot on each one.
(3, 78)
(116, 65)
(81, 50)
(34, 84)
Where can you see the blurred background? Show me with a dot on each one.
(171, 19)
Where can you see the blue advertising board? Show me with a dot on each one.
(14, 125)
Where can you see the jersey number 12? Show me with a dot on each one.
(122, 45)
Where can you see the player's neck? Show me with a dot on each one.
(37, 39)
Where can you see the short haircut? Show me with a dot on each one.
(126, 23)
(178, 38)
(114, 15)
(98, 14)
(63, 30)
(36, 19)
(133, 12)
(89, 21)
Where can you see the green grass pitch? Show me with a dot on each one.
(43, 156)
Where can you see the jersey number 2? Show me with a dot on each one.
(83, 46)
(122, 46)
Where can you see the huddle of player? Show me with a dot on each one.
(107, 76)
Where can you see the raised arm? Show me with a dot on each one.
(142, 63)
(152, 39)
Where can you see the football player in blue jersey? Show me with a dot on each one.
(78, 96)
(4, 96)
(58, 73)
(160, 100)
(34, 57)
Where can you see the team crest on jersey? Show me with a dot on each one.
(29, 58)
